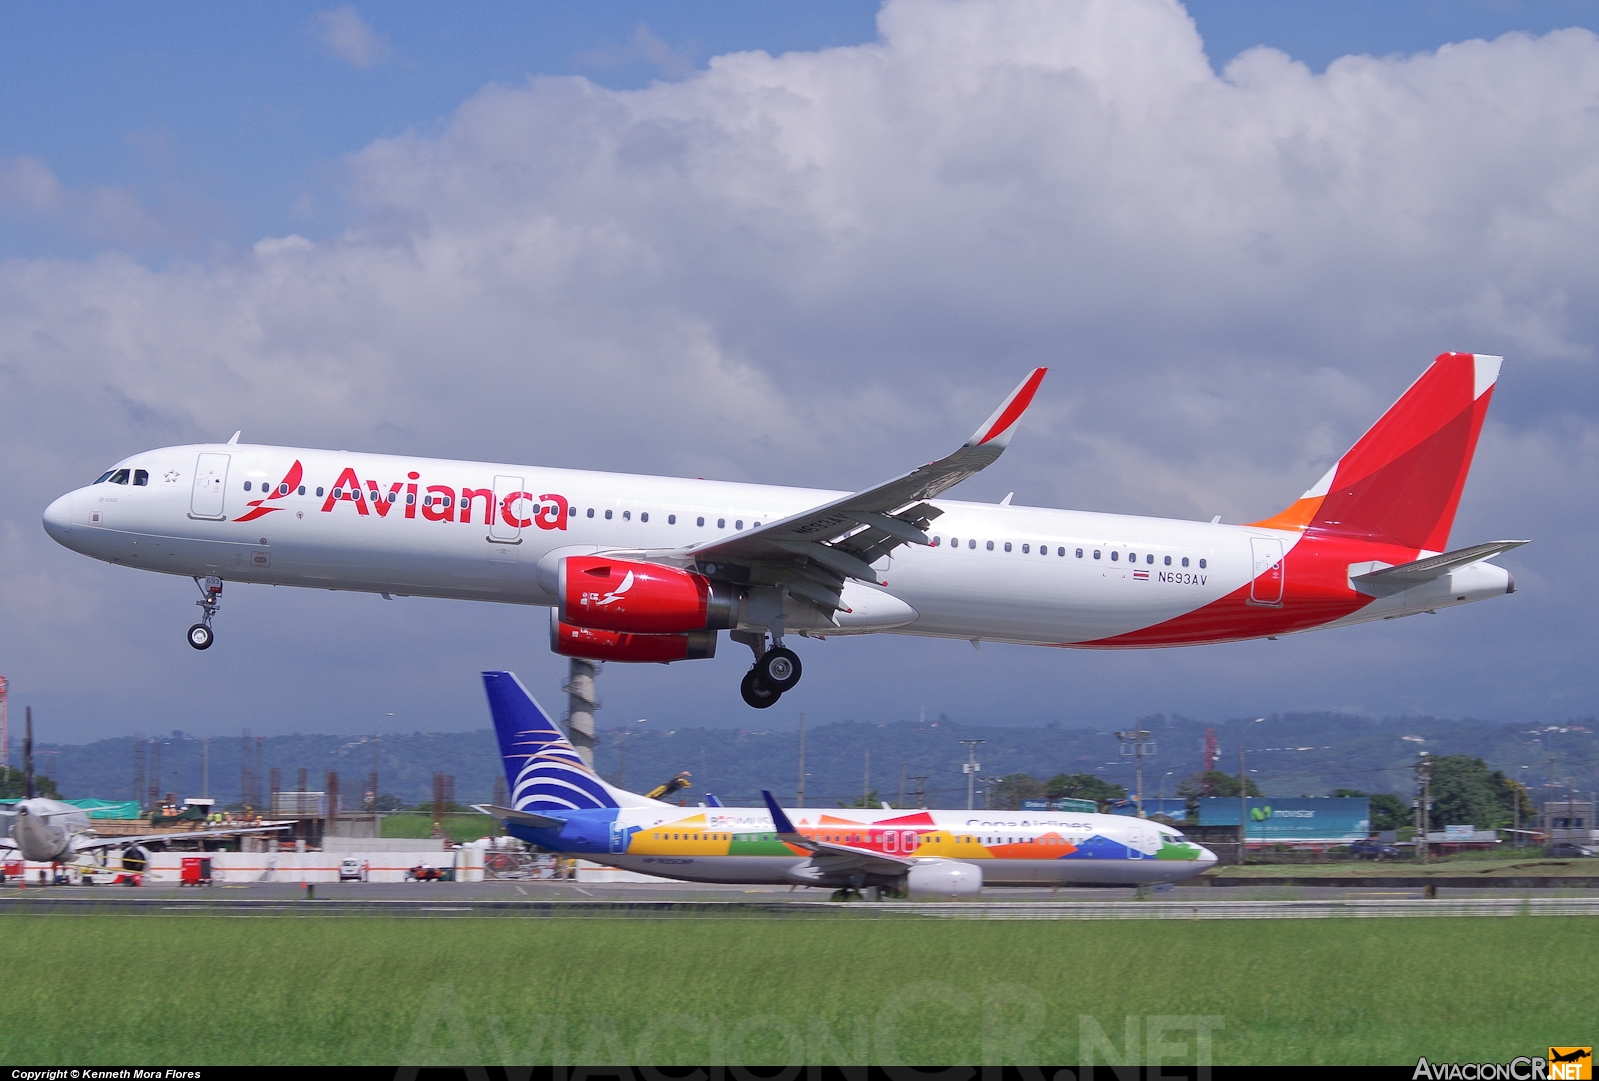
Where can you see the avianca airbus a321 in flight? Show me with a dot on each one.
(642, 568)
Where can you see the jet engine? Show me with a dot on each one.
(601, 645)
(943, 880)
(641, 598)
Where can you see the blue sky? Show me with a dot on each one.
(337, 225)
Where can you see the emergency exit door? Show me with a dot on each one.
(1266, 587)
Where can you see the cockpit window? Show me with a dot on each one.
(119, 477)
(105, 476)
(141, 477)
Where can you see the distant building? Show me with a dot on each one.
(1569, 820)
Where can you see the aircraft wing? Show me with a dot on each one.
(82, 843)
(812, 553)
(833, 858)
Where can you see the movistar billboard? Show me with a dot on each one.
(1330, 818)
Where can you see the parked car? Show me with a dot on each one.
(1373, 849)
(1567, 849)
(352, 870)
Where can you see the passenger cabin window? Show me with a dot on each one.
(627, 516)
(991, 546)
(591, 512)
(1007, 546)
(644, 517)
(1060, 551)
(721, 523)
(1149, 558)
(1096, 553)
(699, 521)
(246, 484)
(1168, 561)
(1079, 553)
(302, 490)
(319, 491)
(954, 542)
(1026, 549)
(971, 543)
(1185, 561)
(607, 514)
(671, 519)
(1201, 564)
(1114, 556)
(141, 477)
(739, 524)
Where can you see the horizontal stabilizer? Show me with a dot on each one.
(1386, 580)
(525, 818)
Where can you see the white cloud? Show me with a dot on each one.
(350, 38)
(820, 267)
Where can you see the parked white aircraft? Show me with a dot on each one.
(643, 568)
(44, 830)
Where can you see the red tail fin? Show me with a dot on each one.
(1401, 483)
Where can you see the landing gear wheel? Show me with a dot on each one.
(200, 636)
(756, 692)
(779, 669)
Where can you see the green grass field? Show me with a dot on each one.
(458, 826)
(194, 990)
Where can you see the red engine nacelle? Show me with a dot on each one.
(641, 598)
(600, 645)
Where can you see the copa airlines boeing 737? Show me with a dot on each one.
(641, 568)
(559, 804)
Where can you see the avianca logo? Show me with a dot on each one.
(616, 594)
(290, 481)
(442, 503)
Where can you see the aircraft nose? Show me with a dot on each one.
(58, 518)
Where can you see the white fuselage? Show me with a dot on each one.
(43, 829)
(1000, 573)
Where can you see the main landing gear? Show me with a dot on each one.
(200, 635)
(776, 670)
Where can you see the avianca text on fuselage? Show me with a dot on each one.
(645, 568)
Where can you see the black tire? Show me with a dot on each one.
(756, 692)
(200, 636)
(779, 669)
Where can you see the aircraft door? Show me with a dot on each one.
(1266, 587)
(210, 486)
(503, 525)
(1135, 838)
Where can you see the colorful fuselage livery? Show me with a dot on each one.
(560, 805)
(643, 568)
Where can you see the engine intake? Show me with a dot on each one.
(594, 644)
(943, 880)
(641, 598)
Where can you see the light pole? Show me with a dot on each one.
(971, 768)
(1136, 742)
(1243, 794)
(622, 781)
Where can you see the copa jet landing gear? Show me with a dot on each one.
(200, 635)
(775, 670)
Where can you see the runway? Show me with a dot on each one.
(547, 900)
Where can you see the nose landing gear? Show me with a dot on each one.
(200, 635)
